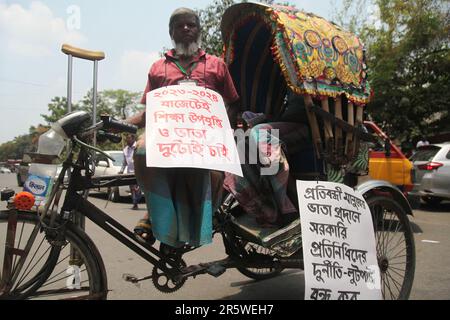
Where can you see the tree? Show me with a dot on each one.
(110, 102)
(16, 148)
(409, 61)
(57, 108)
(119, 99)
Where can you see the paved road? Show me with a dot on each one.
(432, 279)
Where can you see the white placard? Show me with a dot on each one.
(188, 126)
(338, 243)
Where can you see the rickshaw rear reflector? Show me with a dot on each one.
(24, 201)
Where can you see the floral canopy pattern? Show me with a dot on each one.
(316, 56)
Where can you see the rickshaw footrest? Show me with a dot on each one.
(216, 270)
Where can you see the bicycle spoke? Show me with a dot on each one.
(389, 287)
(62, 260)
(56, 275)
(398, 254)
(395, 282)
(399, 225)
(18, 245)
(24, 277)
(383, 281)
(399, 242)
(66, 277)
(398, 263)
(388, 234)
(398, 269)
(396, 272)
(31, 261)
(382, 227)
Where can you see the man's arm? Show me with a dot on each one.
(137, 120)
(233, 110)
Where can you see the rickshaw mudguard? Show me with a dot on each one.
(384, 187)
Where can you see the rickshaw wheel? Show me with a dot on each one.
(259, 273)
(395, 247)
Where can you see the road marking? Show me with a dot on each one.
(431, 241)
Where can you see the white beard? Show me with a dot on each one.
(187, 51)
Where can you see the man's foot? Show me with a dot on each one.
(143, 231)
(135, 207)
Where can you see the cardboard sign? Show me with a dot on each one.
(188, 126)
(338, 243)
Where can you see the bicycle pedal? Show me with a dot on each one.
(130, 278)
(216, 270)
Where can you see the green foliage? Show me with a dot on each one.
(16, 148)
(111, 102)
(57, 108)
(409, 61)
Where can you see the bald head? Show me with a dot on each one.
(180, 12)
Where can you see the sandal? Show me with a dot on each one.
(143, 231)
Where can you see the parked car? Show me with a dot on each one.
(432, 172)
(107, 167)
(5, 170)
(387, 162)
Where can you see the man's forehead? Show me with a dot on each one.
(185, 17)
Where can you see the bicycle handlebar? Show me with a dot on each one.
(103, 136)
(109, 123)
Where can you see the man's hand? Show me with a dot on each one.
(233, 111)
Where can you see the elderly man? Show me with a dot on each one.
(180, 201)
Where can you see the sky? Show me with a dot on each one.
(131, 33)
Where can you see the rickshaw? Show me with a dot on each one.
(273, 52)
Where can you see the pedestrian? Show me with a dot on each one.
(128, 164)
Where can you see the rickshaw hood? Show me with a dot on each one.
(316, 57)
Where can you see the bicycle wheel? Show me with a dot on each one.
(70, 268)
(259, 273)
(395, 247)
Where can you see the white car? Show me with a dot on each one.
(107, 167)
(432, 172)
(5, 170)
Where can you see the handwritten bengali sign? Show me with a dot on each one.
(188, 126)
(338, 243)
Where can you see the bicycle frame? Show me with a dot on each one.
(75, 204)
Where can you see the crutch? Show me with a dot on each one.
(95, 56)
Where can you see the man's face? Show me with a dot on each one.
(130, 140)
(185, 29)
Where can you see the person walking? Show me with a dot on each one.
(128, 164)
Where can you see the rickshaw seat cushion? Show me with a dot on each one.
(247, 227)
